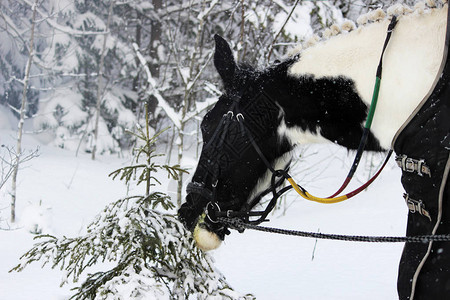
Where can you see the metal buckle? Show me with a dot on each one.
(420, 164)
(412, 165)
(422, 168)
(416, 206)
(240, 116)
(215, 208)
(413, 206)
(410, 203)
(408, 164)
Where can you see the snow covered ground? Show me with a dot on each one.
(62, 193)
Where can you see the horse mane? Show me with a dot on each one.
(366, 19)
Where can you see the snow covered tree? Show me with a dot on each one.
(64, 76)
(102, 91)
(152, 255)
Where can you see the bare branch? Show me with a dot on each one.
(281, 30)
(7, 162)
(191, 84)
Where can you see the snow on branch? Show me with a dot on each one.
(176, 8)
(174, 117)
(202, 15)
(212, 89)
(191, 84)
(62, 28)
(201, 106)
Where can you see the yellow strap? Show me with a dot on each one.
(310, 197)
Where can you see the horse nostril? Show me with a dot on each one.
(187, 216)
(190, 211)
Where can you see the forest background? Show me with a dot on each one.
(81, 75)
(82, 71)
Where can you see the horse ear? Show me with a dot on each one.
(224, 60)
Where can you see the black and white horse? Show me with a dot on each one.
(319, 95)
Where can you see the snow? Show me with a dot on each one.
(71, 191)
(69, 101)
(7, 120)
(207, 11)
(60, 194)
(299, 23)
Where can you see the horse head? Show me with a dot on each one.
(231, 174)
(259, 118)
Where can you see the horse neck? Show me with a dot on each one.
(410, 66)
(316, 110)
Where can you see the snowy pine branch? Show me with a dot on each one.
(153, 255)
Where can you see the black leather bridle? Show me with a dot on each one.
(215, 209)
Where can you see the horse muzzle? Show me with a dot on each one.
(208, 235)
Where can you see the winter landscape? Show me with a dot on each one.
(62, 194)
(77, 76)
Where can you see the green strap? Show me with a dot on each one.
(376, 89)
(370, 114)
(373, 104)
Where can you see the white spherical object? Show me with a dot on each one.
(205, 239)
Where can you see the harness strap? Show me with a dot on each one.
(255, 145)
(412, 165)
(416, 206)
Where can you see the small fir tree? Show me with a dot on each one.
(152, 255)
